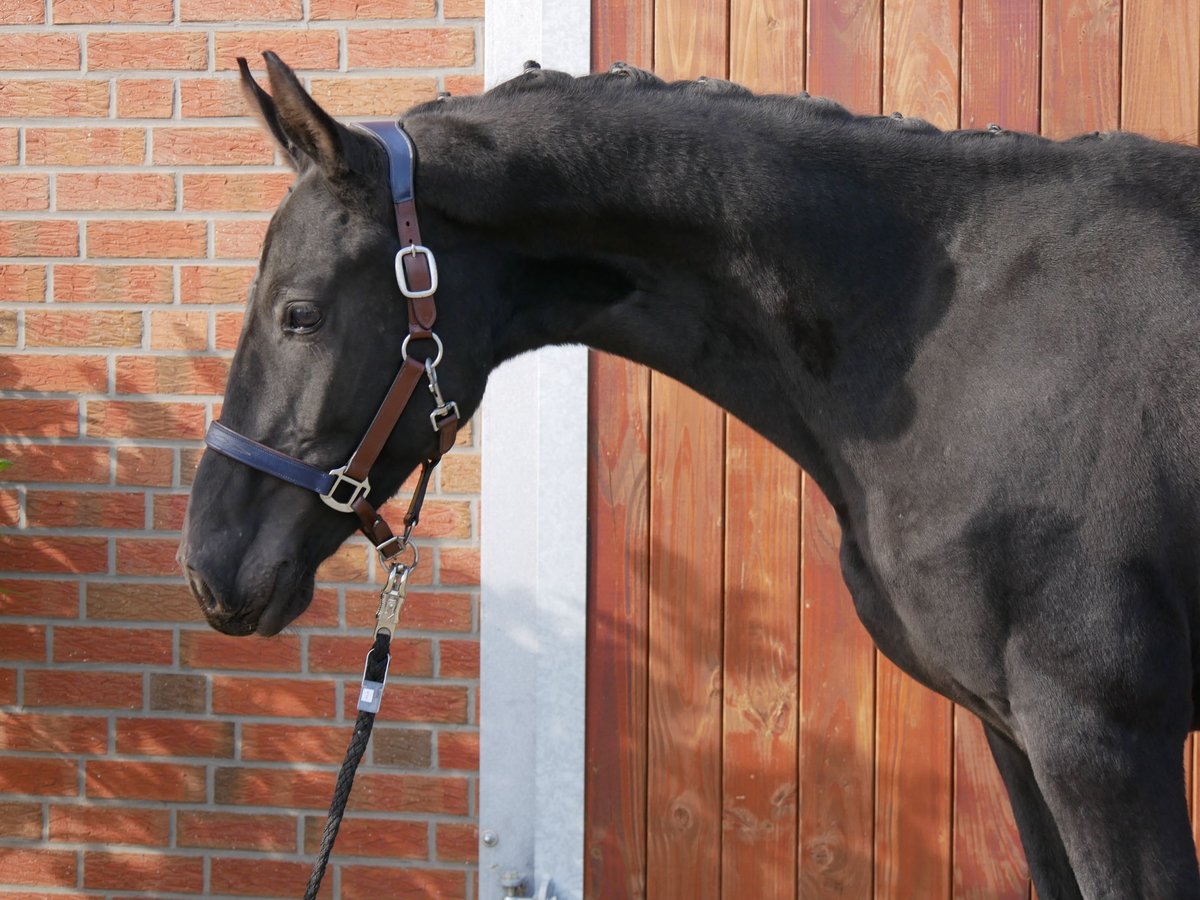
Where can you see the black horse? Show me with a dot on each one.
(984, 346)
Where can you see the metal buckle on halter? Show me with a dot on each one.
(442, 412)
(402, 276)
(359, 489)
(442, 408)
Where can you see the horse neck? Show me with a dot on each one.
(784, 269)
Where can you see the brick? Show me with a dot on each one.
(22, 642)
(459, 473)
(210, 97)
(138, 780)
(239, 10)
(10, 508)
(73, 99)
(85, 509)
(459, 659)
(145, 98)
(22, 282)
(328, 653)
(348, 563)
(39, 372)
(22, 12)
(211, 650)
(323, 611)
(233, 192)
(228, 330)
(39, 52)
(410, 48)
(156, 238)
(169, 511)
(463, 85)
(387, 838)
(238, 238)
(458, 565)
(364, 882)
(175, 737)
(288, 743)
(113, 645)
(145, 871)
(8, 328)
(40, 418)
(373, 791)
(9, 149)
(261, 878)
(150, 466)
(86, 146)
(214, 284)
(44, 599)
(310, 48)
(371, 9)
(40, 237)
(457, 842)
(21, 820)
(110, 825)
(94, 328)
(211, 147)
(371, 96)
(288, 788)
(423, 611)
(446, 704)
(189, 459)
(242, 696)
(37, 775)
(145, 419)
(22, 553)
(439, 518)
(65, 463)
(462, 9)
(114, 190)
(146, 50)
(42, 733)
(402, 748)
(147, 556)
(108, 283)
(235, 831)
(84, 690)
(458, 750)
(30, 865)
(82, 12)
(24, 193)
(178, 693)
(171, 374)
(178, 330)
(8, 687)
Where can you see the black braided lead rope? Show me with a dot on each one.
(376, 670)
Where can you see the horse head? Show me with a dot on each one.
(320, 345)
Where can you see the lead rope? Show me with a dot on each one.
(391, 600)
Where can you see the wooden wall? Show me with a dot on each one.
(745, 739)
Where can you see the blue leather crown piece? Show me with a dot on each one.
(258, 456)
(400, 157)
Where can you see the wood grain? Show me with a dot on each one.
(762, 620)
(844, 62)
(618, 621)
(1001, 63)
(766, 44)
(1160, 69)
(920, 59)
(1081, 44)
(622, 31)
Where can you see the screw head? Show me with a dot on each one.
(490, 838)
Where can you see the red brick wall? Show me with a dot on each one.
(140, 751)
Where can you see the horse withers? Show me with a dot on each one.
(983, 346)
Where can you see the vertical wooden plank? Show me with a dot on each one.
(618, 565)
(837, 677)
(762, 568)
(1081, 42)
(762, 565)
(1160, 68)
(1001, 63)
(914, 730)
(1000, 77)
(686, 553)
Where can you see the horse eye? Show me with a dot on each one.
(302, 318)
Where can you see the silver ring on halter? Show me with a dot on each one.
(437, 340)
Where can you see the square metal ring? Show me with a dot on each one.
(402, 276)
(359, 489)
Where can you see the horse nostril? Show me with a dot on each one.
(203, 593)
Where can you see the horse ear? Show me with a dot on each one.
(304, 122)
(264, 107)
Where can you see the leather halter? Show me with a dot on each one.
(346, 488)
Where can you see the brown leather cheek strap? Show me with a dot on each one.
(418, 274)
